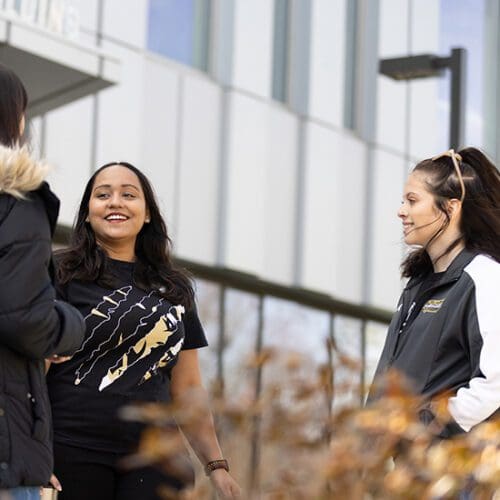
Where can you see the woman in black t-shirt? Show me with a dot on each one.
(142, 336)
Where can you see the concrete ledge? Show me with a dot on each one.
(55, 70)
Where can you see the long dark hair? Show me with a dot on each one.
(86, 261)
(13, 103)
(480, 217)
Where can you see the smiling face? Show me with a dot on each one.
(117, 208)
(420, 216)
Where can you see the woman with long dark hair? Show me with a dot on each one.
(33, 325)
(445, 335)
(141, 345)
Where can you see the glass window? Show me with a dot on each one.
(347, 361)
(207, 297)
(462, 25)
(242, 317)
(350, 64)
(241, 313)
(491, 104)
(375, 338)
(294, 332)
(280, 50)
(179, 29)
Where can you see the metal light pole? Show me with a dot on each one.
(429, 65)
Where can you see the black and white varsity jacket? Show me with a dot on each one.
(445, 337)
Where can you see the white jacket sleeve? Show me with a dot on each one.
(473, 404)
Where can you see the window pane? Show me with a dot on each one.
(350, 63)
(462, 25)
(179, 29)
(491, 99)
(207, 297)
(280, 50)
(242, 315)
(201, 40)
(375, 338)
(347, 361)
(290, 329)
(297, 337)
(296, 408)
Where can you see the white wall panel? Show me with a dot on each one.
(120, 127)
(424, 123)
(68, 147)
(196, 233)
(391, 127)
(281, 185)
(87, 38)
(157, 121)
(320, 250)
(327, 60)
(350, 174)
(387, 244)
(391, 98)
(248, 152)
(126, 20)
(333, 216)
(253, 45)
(393, 32)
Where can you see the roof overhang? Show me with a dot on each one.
(55, 70)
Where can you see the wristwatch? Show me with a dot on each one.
(216, 464)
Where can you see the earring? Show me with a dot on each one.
(87, 219)
(147, 221)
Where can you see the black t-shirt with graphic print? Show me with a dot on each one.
(131, 343)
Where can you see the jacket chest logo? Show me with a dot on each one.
(432, 306)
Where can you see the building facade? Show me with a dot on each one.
(275, 146)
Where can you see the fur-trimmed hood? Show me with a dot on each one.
(20, 173)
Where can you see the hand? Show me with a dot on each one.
(225, 486)
(54, 482)
(435, 415)
(58, 359)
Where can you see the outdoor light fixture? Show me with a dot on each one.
(429, 65)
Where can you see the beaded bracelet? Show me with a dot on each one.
(216, 464)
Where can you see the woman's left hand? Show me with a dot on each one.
(225, 486)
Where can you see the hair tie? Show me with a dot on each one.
(456, 159)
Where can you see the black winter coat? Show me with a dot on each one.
(33, 325)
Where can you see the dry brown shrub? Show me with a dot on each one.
(306, 449)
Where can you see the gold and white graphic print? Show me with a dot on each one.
(129, 339)
(164, 361)
(156, 337)
(97, 320)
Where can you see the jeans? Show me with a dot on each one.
(24, 493)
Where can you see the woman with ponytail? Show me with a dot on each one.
(445, 336)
